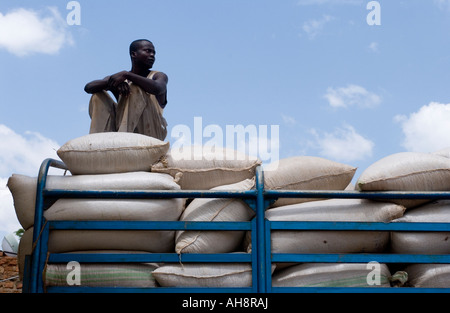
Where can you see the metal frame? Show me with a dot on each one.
(261, 257)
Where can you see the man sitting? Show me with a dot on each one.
(141, 96)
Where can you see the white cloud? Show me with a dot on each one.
(344, 144)
(352, 95)
(443, 4)
(24, 32)
(374, 47)
(313, 27)
(21, 154)
(428, 129)
(289, 120)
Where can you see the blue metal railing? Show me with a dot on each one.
(42, 229)
(261, 256)
(354, 226)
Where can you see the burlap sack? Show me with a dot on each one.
(111, 152)
(306, 173)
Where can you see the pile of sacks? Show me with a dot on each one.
(126, 161)
(406, 171)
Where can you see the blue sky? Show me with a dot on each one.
(335, 86)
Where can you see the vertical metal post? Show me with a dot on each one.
(42, 257)
(38, 223)
(255, 264)
(268, 241)
(260, 233)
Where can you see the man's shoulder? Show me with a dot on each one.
(158, 75)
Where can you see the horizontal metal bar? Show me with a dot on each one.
(358, 290)
(148, 194)
(148, 225)
(148, 257)
(432, 195)
(376, 226)
(360, 258)
(268, 194)
(80, 289)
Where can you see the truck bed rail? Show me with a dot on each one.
(261, 257)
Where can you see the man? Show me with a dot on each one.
(141, 96)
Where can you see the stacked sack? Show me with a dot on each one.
(127, 161)
(104, 161)
(414, 171)
(314, 173)
(220, 169)
(405, 171)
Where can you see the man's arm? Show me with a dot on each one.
(103, 84)
(97, 85)
(156, 86)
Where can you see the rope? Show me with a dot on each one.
(37, 239)
(10, 278)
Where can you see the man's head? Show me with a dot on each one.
(142, 53)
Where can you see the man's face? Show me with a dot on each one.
(145, 55)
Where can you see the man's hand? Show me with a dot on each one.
(123, 89)
(116, 79)
(117, 82)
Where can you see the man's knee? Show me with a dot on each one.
(102, 110)
(102, 103)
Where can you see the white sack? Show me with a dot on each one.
(133, 275)
(23, 188)
(111, 152)
(199, 168)
(333, 241)
(423, 242)
(204, 275)
(445, 152)
(109, 210)
(215, 209)
(330, 275)
(407, 171)
(428, 275)
(306, 173)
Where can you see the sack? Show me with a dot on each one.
(136, 275)
(220, 209)
(445, 152)
(306, 173)
(331, 275)
(407, 171)
(110, 210)
(25, 249)
(111, 152)
(115, 210)
(333, 241)
(198, 168)
(423, 242)
(428, 275)
(23, 188)
(204, 275)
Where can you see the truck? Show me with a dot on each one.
(261, 258)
